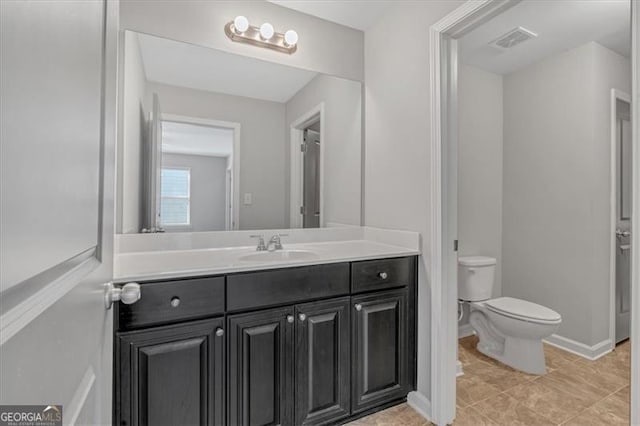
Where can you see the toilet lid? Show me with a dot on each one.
(522, 309)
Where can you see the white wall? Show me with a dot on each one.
(135, 113)
(397, 141)
(480, 165)
(342, 143)
(262, 144)
(323, 47)
(208, 190)
(556, 186)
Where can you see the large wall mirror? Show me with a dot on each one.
(213, 141)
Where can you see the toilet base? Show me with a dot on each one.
(526, 355)
(521, 354)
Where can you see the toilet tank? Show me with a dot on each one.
(476, 275)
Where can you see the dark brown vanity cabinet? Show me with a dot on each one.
(260, 367)
(171, 375)
(379, 349)
(310, 345)
(322, 365)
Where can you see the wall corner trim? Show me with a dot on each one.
(420, 403)
(577, 348)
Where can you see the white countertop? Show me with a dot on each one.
(163, 264)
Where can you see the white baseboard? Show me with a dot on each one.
(459, 371)
(589, 352)
(420, 403)
(465, 330)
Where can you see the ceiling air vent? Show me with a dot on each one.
(515, 36)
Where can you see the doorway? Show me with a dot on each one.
(621, 199)
(307, 166)
(444, 134)
(198, 175)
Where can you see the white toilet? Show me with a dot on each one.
(510, 330)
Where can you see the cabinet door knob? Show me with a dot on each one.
(290, 318)
(383, 275)
(175, 301)
(219, 332)
(302, 317)
(358, 307)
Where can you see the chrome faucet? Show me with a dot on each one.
(275, 243)
(261, 245)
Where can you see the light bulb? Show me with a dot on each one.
(241, 24)
(291, 38)
(266, 31)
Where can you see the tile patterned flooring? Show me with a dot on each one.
(574, 392)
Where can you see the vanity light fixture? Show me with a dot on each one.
(241, 31)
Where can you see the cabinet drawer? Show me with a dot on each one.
(171, 301)
(381, 274)
(282, 286)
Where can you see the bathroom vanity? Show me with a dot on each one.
(234, 328)
(313, 344)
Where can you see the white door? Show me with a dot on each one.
(153, 168)
(623, 221)
(58, 91)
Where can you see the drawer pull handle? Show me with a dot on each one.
(302, 317)
(290, 319)
(383, 275)
(358, 307)
(219, 332)
(175, 301)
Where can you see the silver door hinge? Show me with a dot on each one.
(455, 245)
(303, 147)
(301, 209)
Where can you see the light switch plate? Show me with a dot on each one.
(248, 199)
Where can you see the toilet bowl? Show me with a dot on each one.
(510, 330)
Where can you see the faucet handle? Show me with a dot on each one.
(276, 240)
(261, 245)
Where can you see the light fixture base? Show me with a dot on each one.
(252, 36)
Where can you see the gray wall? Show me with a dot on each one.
(342, 143)
(208, 190)
(324, 46)
(480, 166)
(262, 144)
(556, 186)
(397, 141)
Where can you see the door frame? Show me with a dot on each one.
(443, 168)
(235, 157)
(296, 185)
(613, 176)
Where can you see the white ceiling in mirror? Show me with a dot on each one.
(560, 26)
(357, 14)
(192, 139)
(196, 67)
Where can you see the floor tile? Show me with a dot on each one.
(502, 377)
(469, 416)
(471, 389)
(557, 358)
(549, 402)
(506, 410)
(609, 411)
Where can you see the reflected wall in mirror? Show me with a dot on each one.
(213, 141)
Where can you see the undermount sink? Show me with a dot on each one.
(279, 255)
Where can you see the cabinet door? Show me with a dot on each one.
(171, 375)
(379, 349)
(322, 388)
(261, 367)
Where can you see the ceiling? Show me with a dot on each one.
(196, 67)
(560, 25)
(357, 14)
(192, 139)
